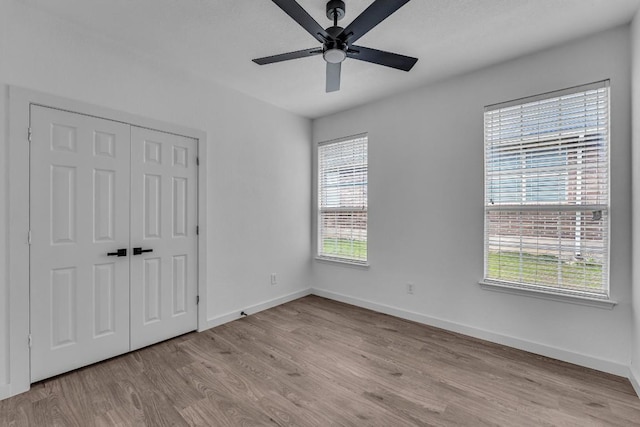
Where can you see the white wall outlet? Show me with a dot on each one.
(410, 288)
(274, 279)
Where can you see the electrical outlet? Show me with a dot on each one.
(274, 279)
(410, 288)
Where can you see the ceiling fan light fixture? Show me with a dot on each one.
(334, 55)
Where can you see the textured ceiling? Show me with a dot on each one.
(216, 40)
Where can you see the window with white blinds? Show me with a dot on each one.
(342, 199)
(547, 192)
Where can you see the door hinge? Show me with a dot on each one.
(29, 237)
(197, 299)
(29, 134)
(30, 341)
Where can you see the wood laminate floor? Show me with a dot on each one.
(316, 362)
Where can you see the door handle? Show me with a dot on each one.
(139, 251)
(119, 252)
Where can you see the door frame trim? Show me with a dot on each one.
(20, 101)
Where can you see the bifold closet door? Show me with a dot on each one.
(79, 214)
(163, 236)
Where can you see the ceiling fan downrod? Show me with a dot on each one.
(335, 51)
(335, 11)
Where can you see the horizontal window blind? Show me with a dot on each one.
(547, 192)
(342, 199)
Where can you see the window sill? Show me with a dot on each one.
(342, 262)
(548, 295)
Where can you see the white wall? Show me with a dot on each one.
(4, 289)
(635, 77)
(426, 207)
(4, 151)
(258, 156)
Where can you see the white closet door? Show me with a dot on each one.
(163, 226)
(79, 213)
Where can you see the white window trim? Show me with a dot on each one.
(344, 261)
(340, 261)
(547, 295)
(542, 292)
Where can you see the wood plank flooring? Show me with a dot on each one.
(316, 362)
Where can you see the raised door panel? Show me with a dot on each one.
(63, 318)
(63, 205)
(179, 206)
(163, 220)
(151, 292)
(179, 282)
(104, 205)
(79, 212)
(104, 292)
(151, 206)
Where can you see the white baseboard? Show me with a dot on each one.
(532, 347)
(5, 391)
(635, 380)
(9, 390)
(235, 314)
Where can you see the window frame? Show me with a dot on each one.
(599, 299)
(319, 255)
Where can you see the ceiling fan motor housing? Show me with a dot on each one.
(335, 8)
(334, 51)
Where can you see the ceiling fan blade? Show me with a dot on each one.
(295, 11)
(287, 56)
(333, 76)
(372, 16)
(380, 57)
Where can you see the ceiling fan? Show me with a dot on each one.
(337, 42)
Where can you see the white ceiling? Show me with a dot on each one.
(216, 40)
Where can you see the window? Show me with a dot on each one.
(342, 199)
(547, 192)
